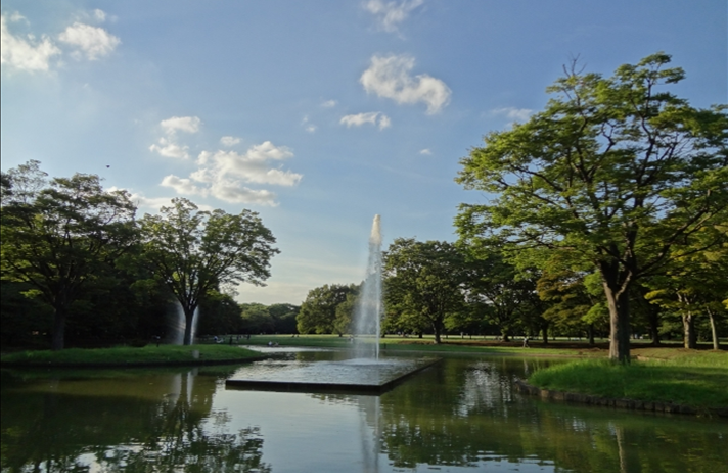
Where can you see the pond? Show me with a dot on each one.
(460, 415)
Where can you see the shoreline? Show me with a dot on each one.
(623, 403)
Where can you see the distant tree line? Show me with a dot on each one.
(78, 268)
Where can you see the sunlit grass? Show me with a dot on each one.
(696, 379)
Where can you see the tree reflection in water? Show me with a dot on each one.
(153, 426)
(461, 415)
(465, 414)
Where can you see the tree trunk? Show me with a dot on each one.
(504, 335)
(689, 335)
(545, 332)
(59, 328)
(618, 304)
(653, 320)
(189, 321)
(438, 330)
(714, 329)
(590, 331)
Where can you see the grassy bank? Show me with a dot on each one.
(692, 378)
(456, 344)
(149, 355)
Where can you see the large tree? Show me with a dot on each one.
(424, 280)
(62, 237)
(194, 252)
(319, 312)
(618, 171)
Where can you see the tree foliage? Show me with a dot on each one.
(424, 280)
(618, 171)
(193, 252)
(62, 237)
(319, 311)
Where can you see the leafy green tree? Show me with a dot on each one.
(284, 317)
(618, 171)
(693, 285)
(344, 314)
(256, 318)
(62, 237)
(424, 280)
(318, 312)
(194, 252)
(495, 289)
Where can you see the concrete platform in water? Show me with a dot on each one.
(353, 376)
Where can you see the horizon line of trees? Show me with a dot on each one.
(75, 259)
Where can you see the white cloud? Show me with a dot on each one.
(94, 42)
(222, 174)
(156, 203)
(18, 53)
(182, 186)
(515, 114)
(252, 166)
(328, 103)
(99, 14)
(231, 191)
(390, 14)
(170, 149)
(364, 118)
(384, 122)
(229, 140)
(425, 151)
(311, 128)
(186, 124)
(389, 77)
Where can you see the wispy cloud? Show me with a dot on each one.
(168, 146)
(308, 126)
(328, 103)
(425, 151)
(189, 124)
(25, 54)
(91, 41)
(364, 118)
(229, 140)
(390, 14)
(389, 77)
(169, 149)
(515, 114)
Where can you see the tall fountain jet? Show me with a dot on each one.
(368, 312)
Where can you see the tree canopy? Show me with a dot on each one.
(194, 251)
(424, 280)
(615, 171)
(61, 237)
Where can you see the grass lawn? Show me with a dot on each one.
(690, 377)
(456, 344)
(150, 354)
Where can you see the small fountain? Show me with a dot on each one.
(368, 311)
(176, 324)
(363, 373)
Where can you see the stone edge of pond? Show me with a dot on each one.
(133, 364)
(651, 406)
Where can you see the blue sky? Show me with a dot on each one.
(316, 114)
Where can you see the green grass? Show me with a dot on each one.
(698, 379)
(426, 344)
(151, 354)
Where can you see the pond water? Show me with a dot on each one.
(461, 415)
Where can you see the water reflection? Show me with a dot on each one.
(150, 422)
(461, 415)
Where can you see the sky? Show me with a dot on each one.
(316, 114)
